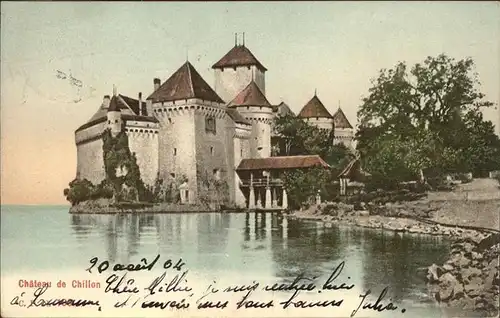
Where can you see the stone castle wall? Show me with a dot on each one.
(176, 151)
(90, 161)
(231, 81)
(344, 136)
(214, 151)
(321, 123)
(260, 139)
(143, 141)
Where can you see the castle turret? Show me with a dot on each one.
(314, 112)
(253, 105)
(235, 70)
(114, 115)
(344, 132)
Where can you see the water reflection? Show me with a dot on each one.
(267, 244)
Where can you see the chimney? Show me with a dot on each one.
(141, 112)
(157, 83)
(105, 101)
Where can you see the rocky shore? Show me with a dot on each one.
(469, 279)
(104, 206)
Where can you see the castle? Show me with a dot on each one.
(184, 127)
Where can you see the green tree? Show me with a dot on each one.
(301, 138)
(423, 117)
(303, 185)
(79, 191)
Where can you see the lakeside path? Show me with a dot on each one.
(476, 204)
(472, 204)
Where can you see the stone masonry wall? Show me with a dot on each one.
(231, 81)
(143, 141)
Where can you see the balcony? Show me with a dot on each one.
(262, 182)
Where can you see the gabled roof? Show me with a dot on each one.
(314, 108)
(284, 162)
(354, 171)
(129, 107)
(134, 104)
(237, 117)
(250, 96)
(185, 83)
(340, 120)
(239, 55)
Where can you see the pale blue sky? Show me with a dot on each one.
(334, 47)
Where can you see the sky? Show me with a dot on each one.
(334, 48)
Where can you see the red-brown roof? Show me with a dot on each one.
(122, 102)
(314, 108)
(239, 55)
(285, 162)
(340, 120)
(250, 96)
(185, 83)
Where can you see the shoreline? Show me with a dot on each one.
(468, 279)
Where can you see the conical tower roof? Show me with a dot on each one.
(314, 108)
(340, 120)
(250, 96)
(114, 105)
(239, 55)
(185, 83)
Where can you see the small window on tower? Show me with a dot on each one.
(212, 151)
(109, 121)
(210, 125)
(116, 121)
(241, 153)
(216, 174)
(175, 151)
(172, 175)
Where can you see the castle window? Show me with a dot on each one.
(116, 121)
(109, 121)
(172, 175)
(210, 126)
(216, 174)
(169, 120)
(175, 151)
(212, 151)
(241, 153)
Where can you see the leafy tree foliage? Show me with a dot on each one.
(301, 138)
(117, 157)
(303, 185)
(426, 116)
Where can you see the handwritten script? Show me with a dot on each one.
(170, 286)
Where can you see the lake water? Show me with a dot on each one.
(234, 246)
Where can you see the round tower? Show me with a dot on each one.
(315, 113)
(114, 116)
(253, 106)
